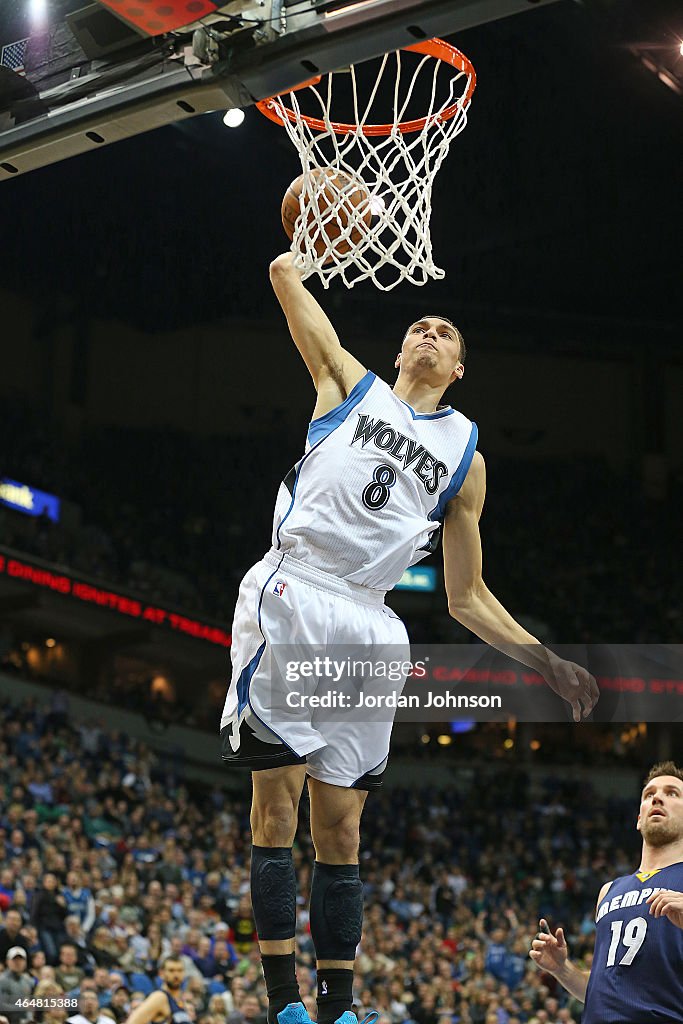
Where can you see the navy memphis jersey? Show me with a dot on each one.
(179, 1014)
(637, 972)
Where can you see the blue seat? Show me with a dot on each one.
(141, 983)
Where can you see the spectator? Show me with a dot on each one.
(89, 1011)
(102, 986)
(250, 1012)
(10, 934)
(179, 950)
(243, 927)
(225, 958)
(444, 898)
(7, 888)
(28, 887)
(75, 935)
(79, 900)
(120, 1003)
(205, 960)
(15, 984)
(102, 947)
(59, 710)
(91, 736)
(37, 963)
(47, 987)
(49, 911)
(215, 887)
(167, 871)
(158, 948)
(68, 974)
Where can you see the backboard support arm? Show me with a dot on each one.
(314, 42)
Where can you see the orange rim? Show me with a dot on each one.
(437, 48)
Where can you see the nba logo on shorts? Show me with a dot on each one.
(279, 588)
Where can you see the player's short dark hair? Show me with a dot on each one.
(171, 960)
(434, 316)
(663, 768)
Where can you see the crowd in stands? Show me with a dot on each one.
(108, 864)
(178, 533)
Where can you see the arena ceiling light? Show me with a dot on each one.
(233, 117)
(37, 10)
(662, 63)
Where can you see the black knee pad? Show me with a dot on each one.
(273, 892)
(336, 910)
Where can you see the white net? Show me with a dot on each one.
(365, 202)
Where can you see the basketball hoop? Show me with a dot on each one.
(395, 161)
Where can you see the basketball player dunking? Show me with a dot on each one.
(165, 1005)
(637, 972)
(383, 469)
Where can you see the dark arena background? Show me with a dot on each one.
(151, 401)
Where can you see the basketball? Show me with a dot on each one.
(337, 199)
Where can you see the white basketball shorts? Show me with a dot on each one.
(287, 615)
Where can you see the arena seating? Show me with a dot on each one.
(100, 847)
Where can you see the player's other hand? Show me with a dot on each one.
(549, 952)
(574, 684)
(667, 903)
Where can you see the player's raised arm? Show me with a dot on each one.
(331, 366)
(472, 603)
(549, 953)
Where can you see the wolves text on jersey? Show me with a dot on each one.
(386, 438)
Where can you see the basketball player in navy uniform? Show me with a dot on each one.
(165, 1006)
(637, 972)
(383, 469)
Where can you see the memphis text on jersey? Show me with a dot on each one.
(632, 898)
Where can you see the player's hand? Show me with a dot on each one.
(574, 684)
(667, 903)
(549, 952)
(285, 261)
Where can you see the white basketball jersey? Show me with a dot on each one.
(367, 499)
